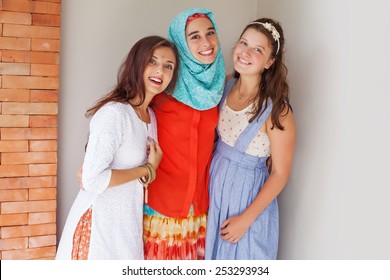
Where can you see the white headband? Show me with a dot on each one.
(275, 34)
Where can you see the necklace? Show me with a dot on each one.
(145, 122)
(142, 117)
(245, 97)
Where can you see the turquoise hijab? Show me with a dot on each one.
(199, 85)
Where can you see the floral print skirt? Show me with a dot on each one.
(173, 238)
(82, 236)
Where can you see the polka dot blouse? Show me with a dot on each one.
(232, 123)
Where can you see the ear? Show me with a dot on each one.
(269, 63)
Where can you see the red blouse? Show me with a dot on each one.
(186, 137)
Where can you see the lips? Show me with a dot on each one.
(156, 80)
(242, 61)
(207, 53)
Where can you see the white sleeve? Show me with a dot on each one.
(153, 132)
(106, 132)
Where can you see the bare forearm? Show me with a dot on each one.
(123, 176)
(270, 190)
(233, 228)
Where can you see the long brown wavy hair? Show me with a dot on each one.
(273, 83)
(130, 82)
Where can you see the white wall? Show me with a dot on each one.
(336, 205)
(95, 36)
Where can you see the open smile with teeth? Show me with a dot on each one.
(208, 52)
(156, 80)
(243, 61)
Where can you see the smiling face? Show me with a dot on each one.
(159, 70)
(202, 40)
(252, 53)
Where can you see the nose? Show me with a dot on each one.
(159, 70)
(246, 51)
(205, 42)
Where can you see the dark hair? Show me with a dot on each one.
(274, 79)
(130, 82)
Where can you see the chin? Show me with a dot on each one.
(207, 60)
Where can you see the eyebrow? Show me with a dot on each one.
(194, 32)
(259, 46)
(169, 61)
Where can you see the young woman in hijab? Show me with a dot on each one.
(175, 214)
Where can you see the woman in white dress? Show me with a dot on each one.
(105, 221)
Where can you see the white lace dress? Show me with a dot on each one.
(118, 140)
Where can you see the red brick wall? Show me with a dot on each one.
(29, 81)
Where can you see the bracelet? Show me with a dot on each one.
(152, 171)
(146, 180)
